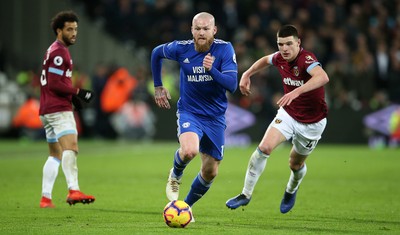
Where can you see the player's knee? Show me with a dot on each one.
(189, 154)
(209, 174)
(267, 149)
(74, 149)
(295, 165)
(55, 151)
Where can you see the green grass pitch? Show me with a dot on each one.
(347, 190)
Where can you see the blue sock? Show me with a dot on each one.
(198, 189)
(179, 165)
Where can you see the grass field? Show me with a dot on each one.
(348, 190)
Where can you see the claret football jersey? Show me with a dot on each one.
(56, 69)
(309, 107)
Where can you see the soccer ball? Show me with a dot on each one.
(177, 214)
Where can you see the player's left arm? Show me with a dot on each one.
(227, 78)
(318, 79)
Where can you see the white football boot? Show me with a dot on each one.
(172, 189)
(191, 212)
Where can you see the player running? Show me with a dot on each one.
(301, 116)
(207, 70)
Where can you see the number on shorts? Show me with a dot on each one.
(310, 144)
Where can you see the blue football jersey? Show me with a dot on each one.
(203, 92)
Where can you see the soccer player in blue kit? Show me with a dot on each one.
(207, 70)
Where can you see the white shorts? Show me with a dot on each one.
(58, 124)
(304, 136)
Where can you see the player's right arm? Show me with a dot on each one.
(156, 64)
(259, 65)
(161, 94)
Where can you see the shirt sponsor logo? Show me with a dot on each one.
(291, 82)
(201, 77)
(199, 69)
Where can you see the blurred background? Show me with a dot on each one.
(357, 43)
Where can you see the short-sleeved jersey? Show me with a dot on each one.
(309, 107)
(199, 93)
(57, 67)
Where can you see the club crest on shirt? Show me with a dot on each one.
(296, 71)
(278, 121)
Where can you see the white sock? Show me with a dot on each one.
(257, 163)
(50, 172)
(70, 168)
(295, 179)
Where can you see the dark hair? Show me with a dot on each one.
(59, 20)
(287, 31)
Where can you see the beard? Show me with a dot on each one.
(203, 47)
(67, 41)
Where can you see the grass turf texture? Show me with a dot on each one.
(348, 190)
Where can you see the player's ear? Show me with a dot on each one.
(215, 30)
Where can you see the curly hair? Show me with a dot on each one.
(59, 20)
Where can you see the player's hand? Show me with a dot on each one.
(288, 98)
(161, 96)
(244, 84)
(77, 103)
(85, 95)
(208, 62)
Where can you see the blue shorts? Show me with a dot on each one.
(211, 132)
